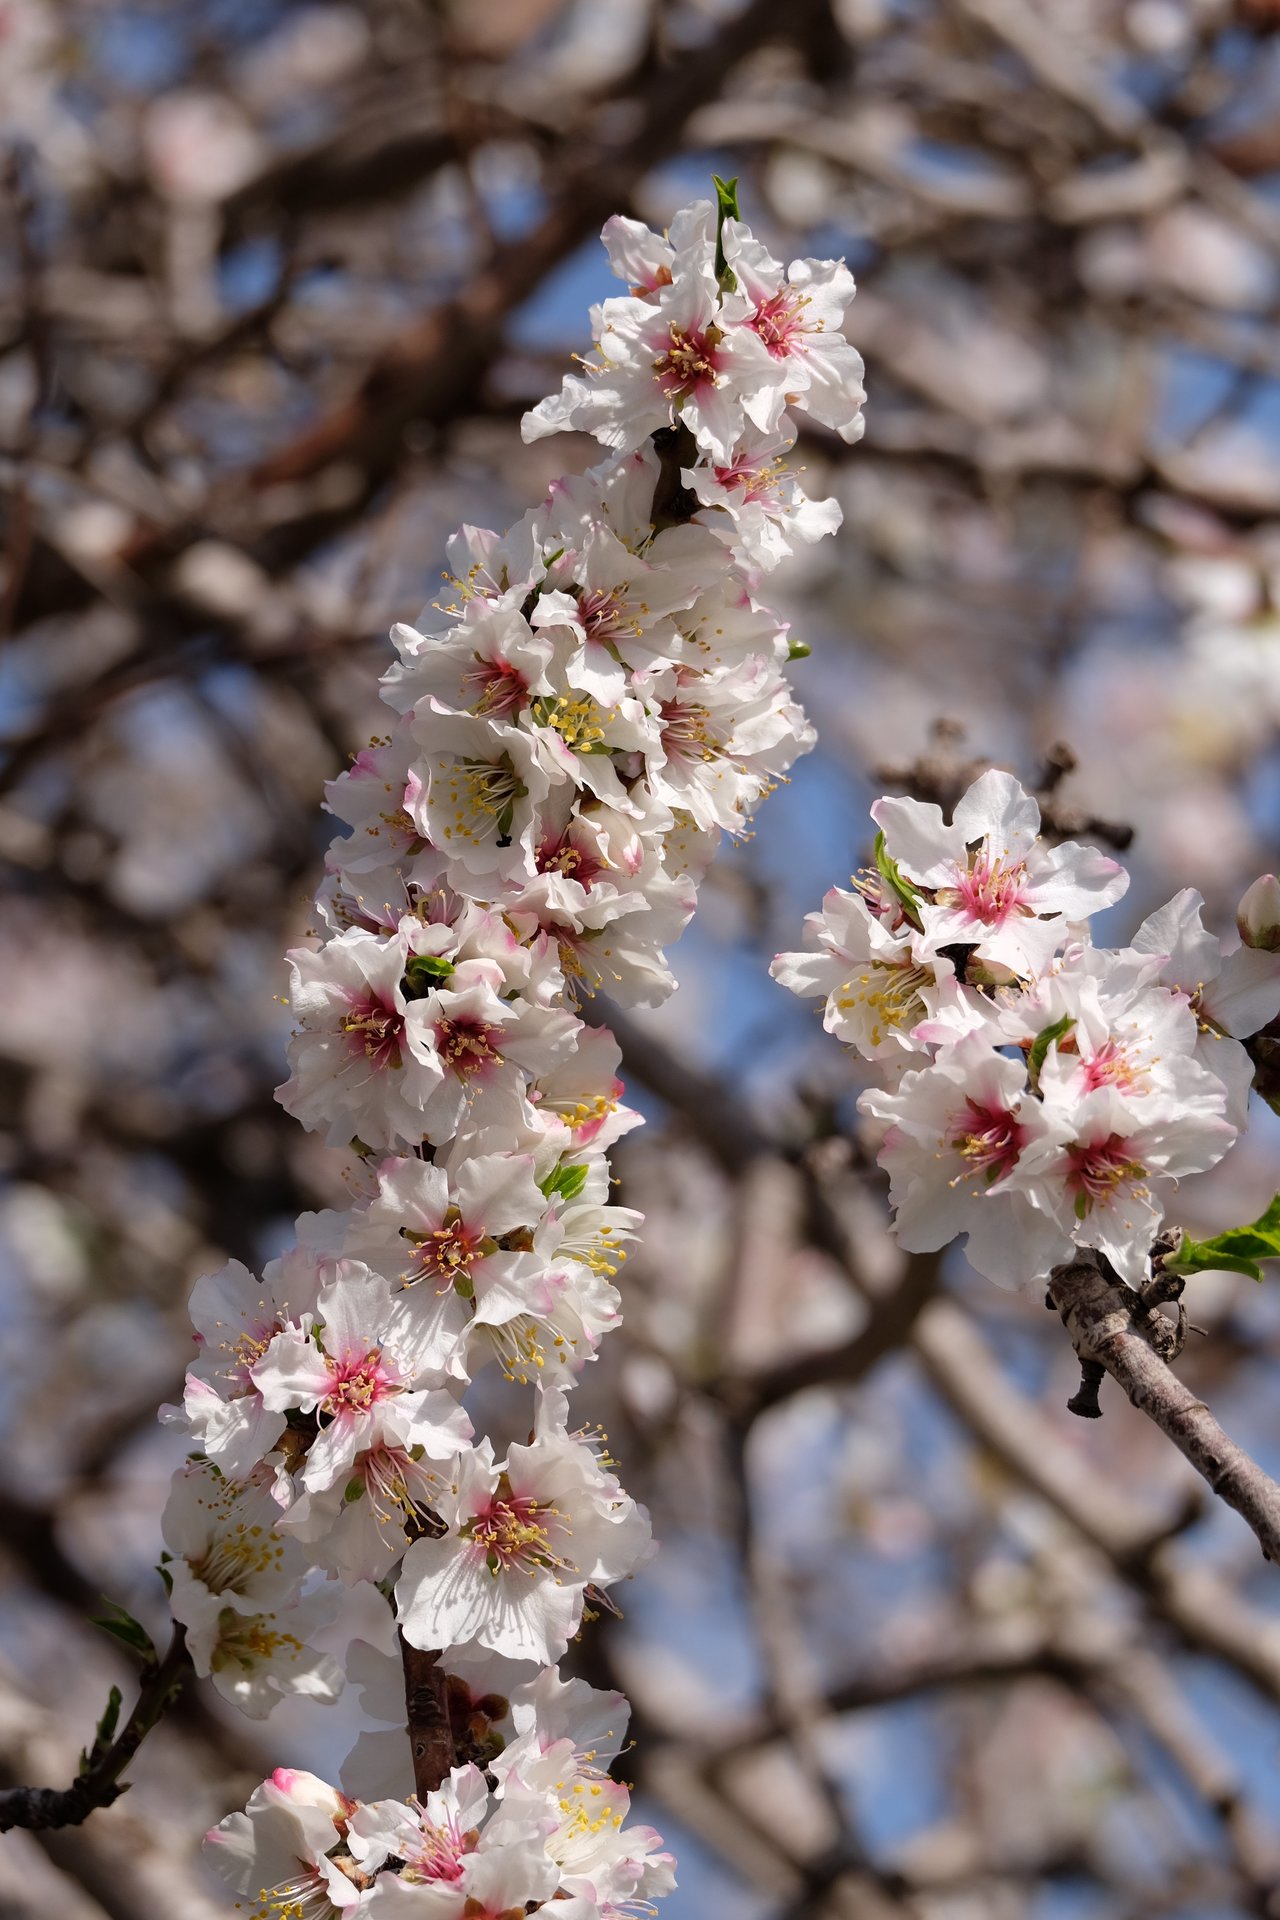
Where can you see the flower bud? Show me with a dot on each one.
(1258, 915)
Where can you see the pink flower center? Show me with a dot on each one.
(779, 319)
(989, 1139)
(605, 615)
(513, 1536)
(374, 1029)
(749, 482)
(434, 1853)
(1097, 1169)
(564, 856)
(687, 733)
(443, 1254)
(500, 688)
(688, 363)
(1111, 1066)
(990, 891)
(358, 1384)
(468, 1047)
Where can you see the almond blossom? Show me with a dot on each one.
(988, 881)
(524, 1539)
(1064, 1089)
(594, 699)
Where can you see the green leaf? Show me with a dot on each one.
(105, 1731)
(566, 1183)
(122, 1626)
(422, 973)
(726, 209)
(1046, 1038)
(899, 886)
(798, 650)
(1238, 1250)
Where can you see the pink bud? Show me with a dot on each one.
(1258, 915)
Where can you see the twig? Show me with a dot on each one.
(99, 1782)
(1105, 1329)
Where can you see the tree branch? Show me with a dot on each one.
(99, 1783)
(1100, 1316)
(426, 1696)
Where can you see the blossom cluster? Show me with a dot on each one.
(1043, 1094)
(600, 696)
(534, 1818)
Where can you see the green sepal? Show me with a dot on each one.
(1046, 1038)
(566, 1183)
(726, 209)
(1238, 1250)
(899, 886)
(352, 1491)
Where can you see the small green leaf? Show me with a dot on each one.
(352, 1491)
(566, 1183)
(798, 650)
(899, 886)
(422, 973)
(1238, 1250)
(726, 209)
(105, 1731)
(122, 1626)
(1046, 1038)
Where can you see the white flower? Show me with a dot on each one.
(481, 1050)
(958, 1130)
(357, 1374)
(224, 1549)
(1098, 1169)
(236, 1317)
(797, 314)
(489, 665)
(277, 1853)
(438, 1235)
(482, 787)
(645, 259)
(768, 513)
(988, 881)
(622, 607)
(525, 1538)
(876, 986)
(1232, 998)
(682, 350)
(257, 1659)
(1238, 993)
(355, 1069)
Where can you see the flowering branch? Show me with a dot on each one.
(1044, 1095)
(98, 1783)
(599, 698)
